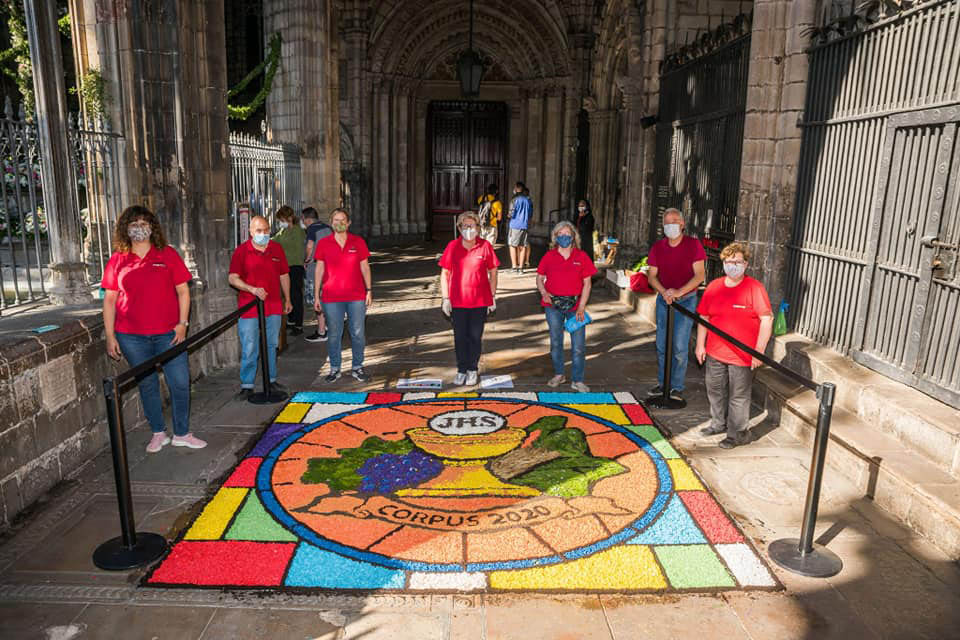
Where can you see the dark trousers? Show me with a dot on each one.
(468, 336)
(297, 274)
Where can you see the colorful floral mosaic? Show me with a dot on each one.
(463, 492)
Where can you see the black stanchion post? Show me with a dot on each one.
(267, 396)
(130, 549)
(665, 401)
(803, 555)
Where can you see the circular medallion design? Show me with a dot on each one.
(464, 484)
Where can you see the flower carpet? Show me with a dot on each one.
(463, 492)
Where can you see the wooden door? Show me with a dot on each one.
(467, 153)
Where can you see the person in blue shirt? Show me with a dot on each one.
(316, 231)
(519, 216)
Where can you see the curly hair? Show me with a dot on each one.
(733, 249)
(556, 229)
(121, 241)
(287, 214)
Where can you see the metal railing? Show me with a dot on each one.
(131, 549)
(24, 237)
(799, 555)
(263, 177)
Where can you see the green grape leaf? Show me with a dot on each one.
(340, 474)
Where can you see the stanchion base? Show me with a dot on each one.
(659, 402)
(113, 555)
(271, 397)
(819, 563)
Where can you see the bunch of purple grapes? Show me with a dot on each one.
(389, 471)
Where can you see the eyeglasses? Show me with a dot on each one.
(734, 263)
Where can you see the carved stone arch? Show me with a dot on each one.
(522, 35)
(347, 152)
(618, 50)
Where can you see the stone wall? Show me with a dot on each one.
(52, 418)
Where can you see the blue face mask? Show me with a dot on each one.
(261, 238)
(564, 241)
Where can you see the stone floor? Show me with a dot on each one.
(893, 585)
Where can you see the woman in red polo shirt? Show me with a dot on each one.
(468, 285)
(563, 278)
(343, 274)
(146, 306)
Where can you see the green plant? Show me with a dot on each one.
(271, 60)
(93, 93)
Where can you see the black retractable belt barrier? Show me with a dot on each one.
(799, 555)
(131, 549)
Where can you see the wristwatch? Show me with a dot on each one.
(185, 323)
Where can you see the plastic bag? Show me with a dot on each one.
(572, 325)
(780, 321)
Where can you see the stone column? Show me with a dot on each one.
(303, 106)
(382, 196)
(68, 273)
(600, 199)
(401, 161)
(635, 221)
(420, 164)
(776, 90)
(534, 178)
(552, 157)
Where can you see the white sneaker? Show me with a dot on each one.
(555, 381)
(471, 378)
(579, 386)
(189, 440)
(157, 442)
(459, 379)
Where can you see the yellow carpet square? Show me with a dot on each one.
(627, 567)
(683, 477)
(217, 514)
(611, 412)
(293, 412)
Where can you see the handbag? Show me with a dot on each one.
(572, 325)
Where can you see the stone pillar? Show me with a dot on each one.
(401, 148)
(534, 178)
(68, 273)
(166, 77)
(552, 156)
(303, 106)
(382, 195)
(517, 149)
(600, 200)
(635, 221)
(419, 188)
(776, 90)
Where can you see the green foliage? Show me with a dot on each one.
(93, 93)
(572, 474)
(340, 474)
(272, 60)
(15, 61)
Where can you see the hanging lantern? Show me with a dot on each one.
(470, 67)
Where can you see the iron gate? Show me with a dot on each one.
(874, 260)
(703, 93)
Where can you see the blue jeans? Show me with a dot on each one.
(138, 348)
(578, 347)
(249, 331)
(681, 340)
(356, 313)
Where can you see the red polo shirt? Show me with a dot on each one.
(469, 282)
(675, 264)
(342, 279)
(260, 269)
(736, 310)
(565, 275)
(147, 297)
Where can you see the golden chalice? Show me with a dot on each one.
(464, 453)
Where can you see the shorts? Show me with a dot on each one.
(517, 238)
(489, 234)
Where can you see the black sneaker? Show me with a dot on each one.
(730, 443)
(316, 337)
(296, 331)
(276, 387)
(333, 376)
(360, 374)
(712, 431)
(655, 391)
(676, 395)
(244, 394)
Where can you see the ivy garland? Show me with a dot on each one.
(18, 55)
(273, 60)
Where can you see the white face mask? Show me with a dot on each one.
(282, 225)
(671, 230)
(734, 270)
(469, 233)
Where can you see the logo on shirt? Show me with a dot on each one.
(352, 250)
(159, 264)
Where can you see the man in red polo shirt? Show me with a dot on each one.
(738, 305)
(676, 270)
(259, 269)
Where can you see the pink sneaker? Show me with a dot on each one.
(157, 442)
(189, 440)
